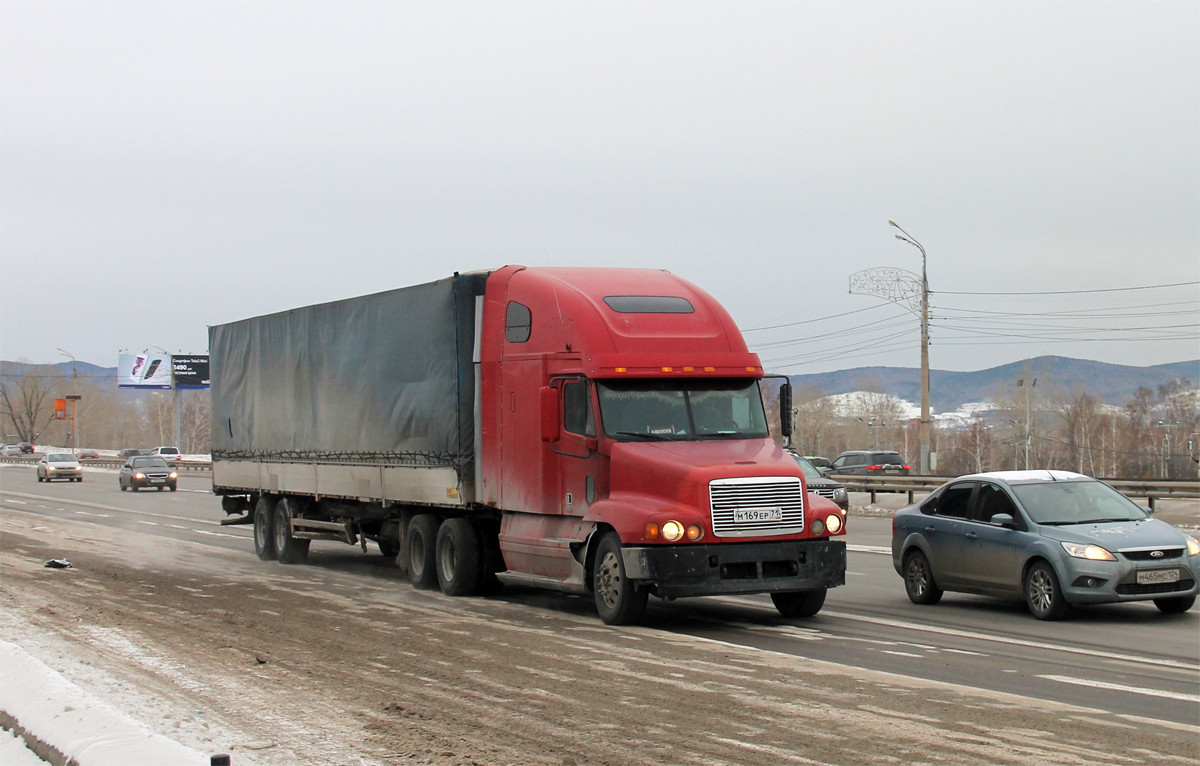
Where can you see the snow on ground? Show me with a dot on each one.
(88, 730)
(14, 753)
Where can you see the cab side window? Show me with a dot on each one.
(577, 409)
(518, 323)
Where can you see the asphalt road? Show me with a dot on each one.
(1128, 659)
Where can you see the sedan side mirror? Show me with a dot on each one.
(1003, 520)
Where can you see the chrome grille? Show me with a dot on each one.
(826, 492)
(765, 493)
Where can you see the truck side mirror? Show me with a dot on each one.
(549, 413)
(785, 410)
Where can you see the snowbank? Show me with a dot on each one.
(57, 713)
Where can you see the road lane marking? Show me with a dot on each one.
(101, 507)
(941, 630)
(902, 654)
(1022, 642)
(217, 534)
(1123, 688)
(868, 548)
(85, 513)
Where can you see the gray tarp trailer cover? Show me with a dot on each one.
(384, 378)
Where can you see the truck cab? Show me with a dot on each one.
(630, 450)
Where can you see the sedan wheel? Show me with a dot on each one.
(1043, 594)
(1175, 604)
(918, 580)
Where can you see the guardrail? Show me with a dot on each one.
(185, 465)
(1152, 489)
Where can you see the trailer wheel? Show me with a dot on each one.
(264, 528)
(618, 600)
(389, 548)
(804, 603)
(420, 542)
(288, 549)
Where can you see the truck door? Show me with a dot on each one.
(578, 459)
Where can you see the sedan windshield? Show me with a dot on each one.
(149, 462)
(681, 410)
(1075, 502)
(61, 458)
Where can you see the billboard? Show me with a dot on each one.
(190, 371)
(144, 370)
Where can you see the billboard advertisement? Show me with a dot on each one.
(190, 371)
(144, 370)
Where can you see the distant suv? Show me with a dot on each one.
(169, 454)
(868, 463)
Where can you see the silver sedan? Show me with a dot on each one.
(1053, 538)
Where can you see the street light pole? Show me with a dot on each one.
(925, 420)
(74, 399)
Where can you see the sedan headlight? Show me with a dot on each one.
(1089, 552)
(1193, 546)
(839, 494)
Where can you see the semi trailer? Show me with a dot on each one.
(590, 430)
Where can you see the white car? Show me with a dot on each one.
(169, 454)
(59, 465)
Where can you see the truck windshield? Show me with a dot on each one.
(681, 410)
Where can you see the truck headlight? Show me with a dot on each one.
(1089, 552)
(833, 523)
(817, 527)
(672, 531)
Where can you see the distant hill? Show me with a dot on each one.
(1111, 383)
(948, 391)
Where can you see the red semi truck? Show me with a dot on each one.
(586, 430)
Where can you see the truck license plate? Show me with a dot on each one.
(1157, 576)
(741, 515)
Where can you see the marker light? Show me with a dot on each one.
(651, 531)
(672, 531)
(694, 532)
(834, 523)
(668, 369)
(710, 369)
(620, 369)
(689, 369)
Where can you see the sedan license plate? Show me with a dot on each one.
(158, 481)
(1157, 576)
(742, 515)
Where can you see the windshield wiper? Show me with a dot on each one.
(1105, 521)
(651, 437)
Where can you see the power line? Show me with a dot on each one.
(1074, 292)
(819, 319)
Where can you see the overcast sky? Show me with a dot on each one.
(167, 166)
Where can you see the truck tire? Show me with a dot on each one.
(420, 543)
(288, 549)
(618, 600)
(801, 603)
(459, 557)
(264, 528)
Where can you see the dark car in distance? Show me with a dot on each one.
(822, 485)
(125, 454)
(26, 448)
(868, 463)
(144, 471)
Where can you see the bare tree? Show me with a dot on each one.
(28, 404)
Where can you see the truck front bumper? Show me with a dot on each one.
(678, 571)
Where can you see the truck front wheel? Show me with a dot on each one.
(289, 549)
(264, 534)
(459, 557)
(803, 603)
(420, 542)
(618, 600)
